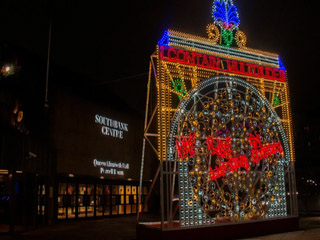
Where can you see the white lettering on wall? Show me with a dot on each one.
(111, 127)
(111, 168)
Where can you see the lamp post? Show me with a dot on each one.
(6, 70)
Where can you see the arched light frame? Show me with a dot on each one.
(196, 212)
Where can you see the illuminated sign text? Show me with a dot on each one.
(111, 168)
(223, 149)
(212, 62)
(111, 127)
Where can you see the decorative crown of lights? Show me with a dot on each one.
(225, 16)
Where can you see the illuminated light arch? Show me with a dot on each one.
(207, 197)
(187, 70)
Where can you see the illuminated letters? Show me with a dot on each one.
(222, 148)
(111, 127)
(111, 168)
(212, 62)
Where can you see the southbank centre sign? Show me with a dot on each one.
(111, 127)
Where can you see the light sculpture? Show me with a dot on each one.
(225, 138)
(235, 156)
(226, 16)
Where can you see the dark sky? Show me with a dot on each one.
(108, 41)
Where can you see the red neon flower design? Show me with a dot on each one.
(185, 146)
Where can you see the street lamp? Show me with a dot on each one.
(8, 69)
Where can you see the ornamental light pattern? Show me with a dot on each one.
(225, 137)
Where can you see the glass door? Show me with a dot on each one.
(134, 199)
(115, 200)
(99, 200)
(107, 200)
(71, 200)
(82, 193)
(90, 200)
(118, 200)
(128, 199)
(62, 209)
(121, 204)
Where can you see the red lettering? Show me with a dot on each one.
(242, 69)
(222, 148)
(222, 64)
(172, 50)
(212, 62)
(197, 55)
(204, 61)
(182, 53)
(249, 72)
(253, 68)
(257, 70)
(233, 164)
(185, 147)
(268, 72)
(260, 71)
(235, 66)
(190, 59)
(219, 147)
(255, 141)
(232, 66)
(275, 74)
(244, 162)
(282, 75)
(229, 67)
(162, 49)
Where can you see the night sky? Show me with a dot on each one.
(109, 43)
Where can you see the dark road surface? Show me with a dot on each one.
(123, 228)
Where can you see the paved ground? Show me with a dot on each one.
(309, 230)
(124, 229)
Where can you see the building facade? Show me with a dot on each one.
(78, 158)
(98, 161)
